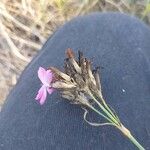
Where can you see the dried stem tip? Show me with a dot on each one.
(70, 53)
(75, 64)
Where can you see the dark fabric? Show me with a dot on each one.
(120, 45)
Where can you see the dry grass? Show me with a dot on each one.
(26, 24)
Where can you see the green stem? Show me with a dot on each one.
(115, 121)
(107, 107)
(104, 110)
(136, 143)
(127, 133)
(95, 110)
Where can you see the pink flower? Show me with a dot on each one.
(46, 78)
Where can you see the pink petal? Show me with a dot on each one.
(39, 95)
(50, 90)
(45, 76)
(41, 74)
(43, 98)
(49, 76)
(42, 94)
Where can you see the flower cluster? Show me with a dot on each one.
(74, 84)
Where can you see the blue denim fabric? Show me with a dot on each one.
(118, 43)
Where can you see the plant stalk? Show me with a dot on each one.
(127, 133)
(116, 122)
(103, 108)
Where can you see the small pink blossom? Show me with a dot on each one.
(46, 77)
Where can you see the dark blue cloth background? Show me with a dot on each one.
(118, 43)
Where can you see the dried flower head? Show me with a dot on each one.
(78, 79)
(80, 84)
